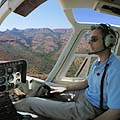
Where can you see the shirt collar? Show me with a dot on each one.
(107, 61)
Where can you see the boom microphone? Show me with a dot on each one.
(90, 53)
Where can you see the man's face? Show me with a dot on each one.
(96, 41)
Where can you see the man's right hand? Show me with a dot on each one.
(57, 89)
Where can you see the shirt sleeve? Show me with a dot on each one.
(113, 90)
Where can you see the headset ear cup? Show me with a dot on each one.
(110, 40)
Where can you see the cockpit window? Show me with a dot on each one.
(93, 16)
(81, 61)
(39, 38)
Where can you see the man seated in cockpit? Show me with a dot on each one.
(101, 98)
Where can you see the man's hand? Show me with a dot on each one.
(18, 92)
(57, 89)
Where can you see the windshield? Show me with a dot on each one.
(38, 38)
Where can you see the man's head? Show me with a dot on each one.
(102, 37)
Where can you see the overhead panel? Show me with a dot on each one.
(109, 6)
(28, 6)
(113, 1)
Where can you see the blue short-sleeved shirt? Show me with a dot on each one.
(111, 83)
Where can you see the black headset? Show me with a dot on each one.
(109, 35)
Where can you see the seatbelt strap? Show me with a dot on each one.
(102, 87)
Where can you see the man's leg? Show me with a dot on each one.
(45, 107)
(79, 110)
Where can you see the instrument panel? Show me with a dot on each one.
(12, 74)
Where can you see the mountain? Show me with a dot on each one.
(40, 47)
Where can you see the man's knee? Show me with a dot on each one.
(23, 105)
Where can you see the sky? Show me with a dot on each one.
(48, 15)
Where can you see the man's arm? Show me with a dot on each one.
(109, 115)
(81, 85)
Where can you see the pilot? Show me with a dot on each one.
(99, 95)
